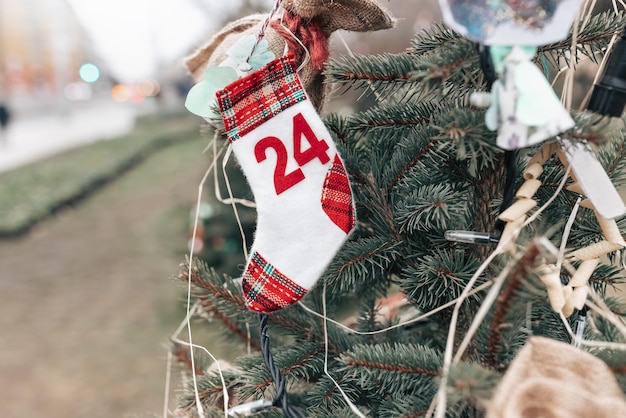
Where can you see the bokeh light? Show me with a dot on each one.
(149, 88)
(89, 72)
(127, 93)
(78, 91)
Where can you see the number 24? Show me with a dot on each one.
(317, 149)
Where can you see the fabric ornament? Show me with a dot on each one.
(552, 379)
(523, 107)
(305, 210)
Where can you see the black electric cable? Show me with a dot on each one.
(486, 64)
(280, 399)
(510, 169)
(609, 94)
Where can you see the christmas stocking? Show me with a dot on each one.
(304, 202)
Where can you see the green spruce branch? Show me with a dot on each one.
(591, 40)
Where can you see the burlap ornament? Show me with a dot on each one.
(552, 379)
(309, 20)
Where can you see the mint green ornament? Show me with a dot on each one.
(524, 108)
(201, 98)
(240, 51)
(537, 101)
(498, 56)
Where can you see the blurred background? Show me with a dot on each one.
(67, 58)
(99, 171)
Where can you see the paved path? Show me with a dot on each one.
(29, 139)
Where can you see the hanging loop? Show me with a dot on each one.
(264, 27)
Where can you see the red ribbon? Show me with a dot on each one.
(309, 32)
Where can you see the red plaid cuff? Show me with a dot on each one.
(258, 97)
(267, 289)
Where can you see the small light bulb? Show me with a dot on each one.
(250, 408)
(471, 237)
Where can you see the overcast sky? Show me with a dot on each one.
(136, 36)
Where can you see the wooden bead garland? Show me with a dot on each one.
(563, 298)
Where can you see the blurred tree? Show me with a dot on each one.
(422, 162)
(222, 238)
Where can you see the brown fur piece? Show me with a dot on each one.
(553, 379)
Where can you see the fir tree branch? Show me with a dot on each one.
(617, 157)
(415, 76)
(432, 207)
(212, 396)
(210, 393)
(445, 71)
(228, 323)
(217, 291)
(593, 38)
(286, 320)
(387, 123)
(433, 38)
(362, 257)
(438, 276)
(413, 162)
(354, 362)
(337, 127)
(392, 367)
(361, 68)
(381, 203)
(224, 295)
(604, 280)
(471, 384)
(361, 267)
(333, 389)
(393, 118)
(380, 208)
(505, 300)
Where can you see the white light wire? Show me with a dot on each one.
(232, 201)
(566, 232)
(174, 338)
(168, 380)
(568, 87)
(353, 408)
(399, 325)
(369, 82)
(188, 306)
(216, 184)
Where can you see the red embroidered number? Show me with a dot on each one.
(317, 149)
(282, 181)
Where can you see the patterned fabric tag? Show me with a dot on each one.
(266, 289)
(337, 197)
(258, 97)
